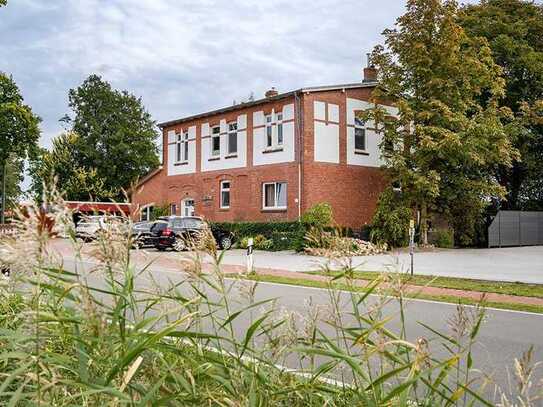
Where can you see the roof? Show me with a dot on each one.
(364, 84)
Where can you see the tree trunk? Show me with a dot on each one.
(424, 223)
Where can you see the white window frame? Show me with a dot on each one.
(215, 153)
(184, 206)
(232, 131)
(269, 129)
(275, 206)
(182, 147)
(222, 189)
(360, 125)
(279, 124)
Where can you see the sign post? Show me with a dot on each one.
(250, 261)
(411, 242)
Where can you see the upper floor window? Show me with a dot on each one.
(225, 194)
(359, 135)
(274, 195)
(269, 131)
(279, 129)
(215, 141)
(182, 147)
(232, 138)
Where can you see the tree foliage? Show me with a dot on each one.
(116, 136)
(447, 139)
(14, 177)
(19, 133)
(61, 165)
(514, 30)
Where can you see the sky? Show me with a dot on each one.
(184, 57)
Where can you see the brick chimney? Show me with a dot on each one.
(271, 93)
(370, 73)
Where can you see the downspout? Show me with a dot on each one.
(299, 129)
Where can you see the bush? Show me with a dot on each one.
(390, 223)
(319, 215)
(259, 243)
(443, 238)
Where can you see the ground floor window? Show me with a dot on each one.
(187, 207)
(274, 195)
(225, 194)
(173, 209)
(146, 213)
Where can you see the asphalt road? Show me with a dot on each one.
(504, 336)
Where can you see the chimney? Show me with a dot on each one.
(271, 93)
(370, 73)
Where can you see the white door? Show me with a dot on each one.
(187, 207)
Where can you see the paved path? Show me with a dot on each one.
(523, 264)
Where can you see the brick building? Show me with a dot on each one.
(271, 159)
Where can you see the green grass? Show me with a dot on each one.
(465, 284)
(441, 298)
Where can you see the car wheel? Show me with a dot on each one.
(179, 244)
(225, 242)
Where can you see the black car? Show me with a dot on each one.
(175, 231)
(141, 234)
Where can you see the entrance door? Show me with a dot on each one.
(187, 207)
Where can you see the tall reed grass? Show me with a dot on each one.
(111, 335)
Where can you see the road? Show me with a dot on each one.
(503, 336)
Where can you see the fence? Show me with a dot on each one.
(516, 228)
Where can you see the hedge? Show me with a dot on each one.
(284, 235)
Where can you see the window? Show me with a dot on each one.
(225, 194)
(215, 141)
(269, 131)
(173, 209)
(359, 135)
(279, 129)
(182, 147)
(187, 207)
(232, 138)
(274, 195)
(146, 213)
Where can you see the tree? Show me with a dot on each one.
(514, 30)
(19, 130)
(60, 165)
(447, 139)
(116, 135)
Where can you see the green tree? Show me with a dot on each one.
(14, 177)
(60, 165)
(447, 138)
(19, 131)
(514, 30)
(116, 135)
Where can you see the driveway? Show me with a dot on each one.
(523, 264)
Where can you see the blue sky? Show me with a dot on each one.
(184, 57)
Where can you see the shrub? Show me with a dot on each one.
(390, 224)
(443, 238)
(259, 243)
(319, 215)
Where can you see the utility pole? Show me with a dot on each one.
(2, 210)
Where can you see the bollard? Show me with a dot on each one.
(250, 262)
(411, 242)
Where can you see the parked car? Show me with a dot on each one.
(89, 227)
(141, 234)
(175, 231)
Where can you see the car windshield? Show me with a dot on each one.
(159, 226)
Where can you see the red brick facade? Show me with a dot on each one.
(352, 190)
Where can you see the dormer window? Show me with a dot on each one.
(215, 141)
